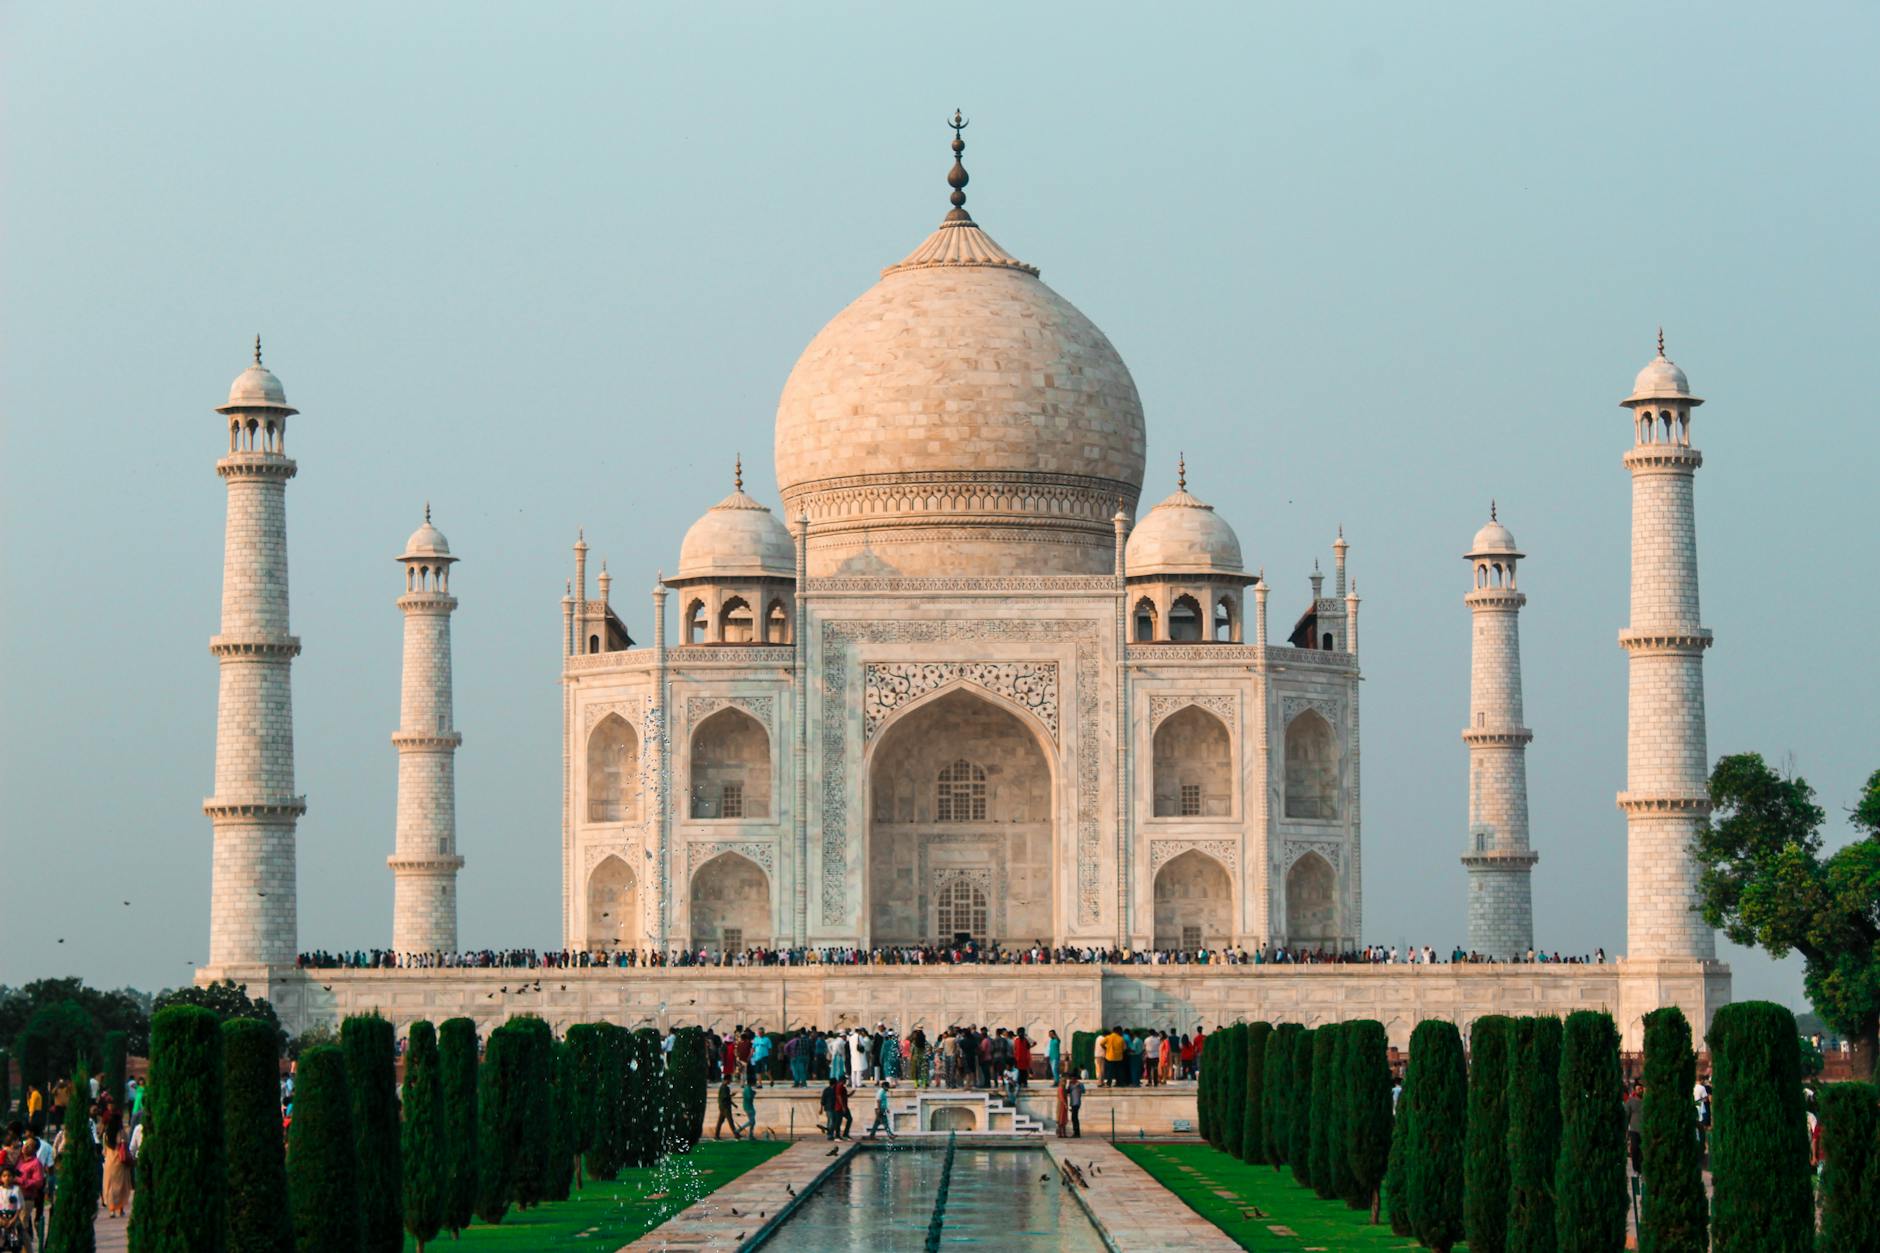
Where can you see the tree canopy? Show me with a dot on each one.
(1767, 884)
(225, 1000)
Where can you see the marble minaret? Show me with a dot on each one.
(1499, 862)
(1666, 800)
(254, 810)
(426, 861)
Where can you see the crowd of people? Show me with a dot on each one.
(34, 1143)
(968, 953)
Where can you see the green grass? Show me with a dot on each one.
(605, 1216)
(1314, 1222)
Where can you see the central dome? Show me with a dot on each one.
(960, 417)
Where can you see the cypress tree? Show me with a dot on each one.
(258, 1218)
(605, 1154)
(535, 1117)
(1589, 1176)
(180, 1199)
(1850, 1141)
(1433, 1162)
(1759, 1133)
(1396, 1191)
(687, 1080)
(561, 1160)
(1233, 1094)
(1367, 1108)
(117, 1066)
(1299, 1117)
(370, 1046)
(1253, 1146)
(1485, 1165)
(1675, 1215)
(652, 1120)
(1533, 1134)
(322, 1156)
(1210, 1061)
(1324, 1052)
(1276, 1092)
(584, 1080)
(423, 1149)
(500, 1108)
(75, 1204)
(6, 1086)
(457, 1062)
(1338, 1155)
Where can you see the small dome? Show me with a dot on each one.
(427, 541)
(1493, 538)
(1182, 535)
(256, 388)
(737, 538)
(1661, 379)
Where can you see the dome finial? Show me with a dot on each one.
(956, 177)
(257, 348)
(1181, 471)
(427, 512)
(1661, 341)
(1491, 510)
(737, 472)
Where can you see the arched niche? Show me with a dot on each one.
(1312, 902)
(613, 771)
(1311, 768)
(729, 903)
(613, 906)
(730, 766)
(1194, 903)
(1193, 770)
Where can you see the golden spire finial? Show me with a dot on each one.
(956, 177)
(257, 348)
(427, 513)
(1181, 471)
(737, 472)
(1491, 509)
(1661, 341)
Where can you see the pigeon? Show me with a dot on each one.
(326, 987)
(789, 1189)
(740, 1235)
(734, 1212)
(504, 991)
(61, 939)
(261, 894)
(832, 1152)
(564, 987)
(760, 1213)
(1044, 1179)
(127, 902)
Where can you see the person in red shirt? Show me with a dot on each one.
(1021, 1058)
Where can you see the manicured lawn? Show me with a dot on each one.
(604, 1216)
(1197, 1174)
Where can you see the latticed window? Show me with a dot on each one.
(1191, 800)
(962, 793)
(733, 806)
(962, 907)
(1191, 937)
(734, 940)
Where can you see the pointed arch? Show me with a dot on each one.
(776, 623)
(613, 771)
(1312, 902)
(730, 766)
(1184, 620)
(696, 628)
(1192, 768)
(736, 624)
(613, 905)
(1194, 903)
(1145, 621)
(1312, 767)
(729, 903)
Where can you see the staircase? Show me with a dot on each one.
(939, 1112)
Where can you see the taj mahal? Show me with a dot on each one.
(961, 678)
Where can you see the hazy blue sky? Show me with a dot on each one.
(548, 266)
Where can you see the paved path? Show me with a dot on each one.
(1135, 1213)
(761, 1196)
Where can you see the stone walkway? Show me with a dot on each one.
(1135, 1213)
(740, 1214)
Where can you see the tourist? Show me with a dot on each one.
(750, 1107)
(1635, 1127)
(760, 1057)
(1052, 1053)
(1021, 1058)
(12, 1212)
(950, 1058)
(1115, 1054)
(116, 1193)
(34, 1165)
(1074, 1102)
(918, 1056)
(882, 1121)
(859, 1063)
(725, 1113)
(839, 1055)
(845, 1117)
(1011, 1085)
(828, 1103)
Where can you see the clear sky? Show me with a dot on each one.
(548, 266)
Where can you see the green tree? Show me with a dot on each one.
(583, 1041)
(1759, 1134)
(75, 1204)
(1338, 1123)
(1396, 1191)
(537, 1120)
(686, 1073)
(1850, 1177)
(258, 1217)
(322, 1156)
(501, 1107)
(225, 999)
(1589, 1177)
(35, 1074)
(567, 1104)
(1485, 1161)
(1676, 1214)
(655, 1110)
(1438, 1075)
(424, 1152)
(181, 1193)
(1299, 1116)
(56, 1037)
(1276, 1093)
(1253, 1146)
(606, 1150)
(1766, 883)
(117, 1065)
(1533, 1133)
(1367, 1108)
(457, 1062)
(1205, 1085)
(125, 1010)
(371, 1050)
(1233, 1094)
(1324, 1052)
(6, 1085)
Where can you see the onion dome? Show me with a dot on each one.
(1661, 379)
(738, 538)
(1183, 535)
(960, 401)
(1494, 539)
(427, 541)
(256, 388)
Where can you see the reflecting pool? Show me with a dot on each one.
(887, 1199)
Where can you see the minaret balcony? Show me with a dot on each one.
(218, 807)
(1696, 804)
(427, 739)
(434, 862)
(1665, 639)
(259, 647)
(256, 465)
(1497, 737)
(1672, 458)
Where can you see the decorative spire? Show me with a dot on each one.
(427, 513)
(258, 347)
(956, 177)
(1491, 509)
(737, 472)
(1661, 342)
(1181, 471)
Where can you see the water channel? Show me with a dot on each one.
(886, 1199)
